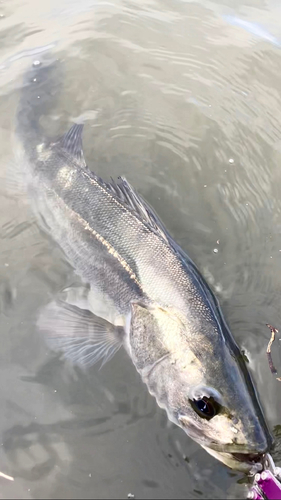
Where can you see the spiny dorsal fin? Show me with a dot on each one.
(71, 142)
(128, 195)
(130, 198)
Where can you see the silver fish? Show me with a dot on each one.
(143, 292)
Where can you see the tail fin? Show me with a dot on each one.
(39, 94)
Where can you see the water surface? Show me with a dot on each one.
(183, 98)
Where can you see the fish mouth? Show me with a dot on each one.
(249, 463)
(250, 458)
(244, 462)
(241, 451)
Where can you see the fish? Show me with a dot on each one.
(138, 290)
(252, 28)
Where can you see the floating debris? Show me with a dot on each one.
(231, 161)
(131, 495)
(268, 350)
(215, 250)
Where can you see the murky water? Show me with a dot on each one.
(183, 98)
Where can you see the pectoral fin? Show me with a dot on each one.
(93, 299)
(83, 338)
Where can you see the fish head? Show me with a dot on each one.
(200, 378)
(222, 413)
(221, 410)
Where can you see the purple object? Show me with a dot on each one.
(266, 486)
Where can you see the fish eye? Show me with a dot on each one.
(205, 407)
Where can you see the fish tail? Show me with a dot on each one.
(39, 94)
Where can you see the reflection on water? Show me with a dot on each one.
(183, 98)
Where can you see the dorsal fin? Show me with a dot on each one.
(131, 199)
(71, 142)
